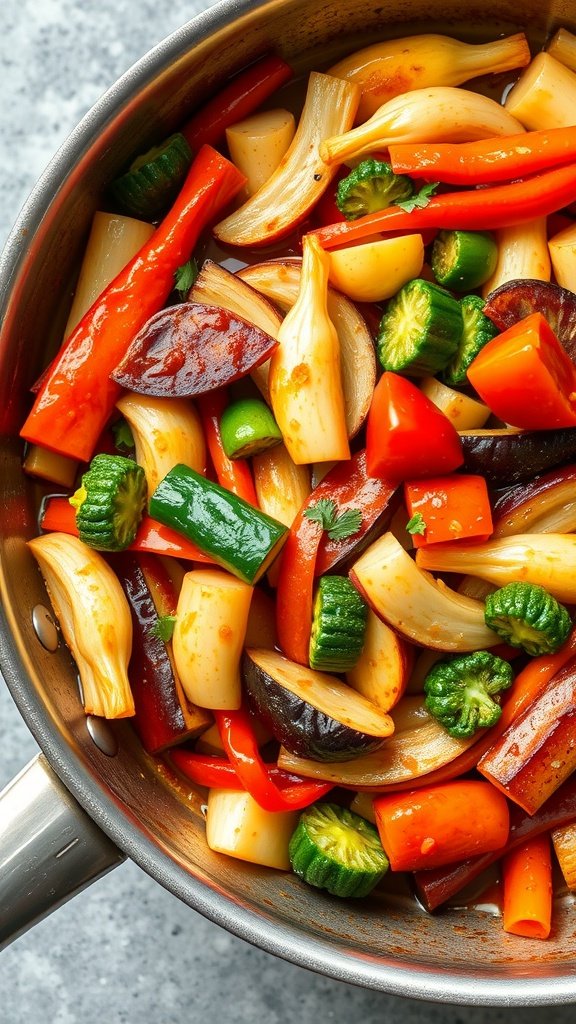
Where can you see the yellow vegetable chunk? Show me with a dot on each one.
(114, 240)
(378, 269)
(562, 47)
(544, 95)
(562, 249)
(522, 254)
(211, 621)
(258, 143)
(238, 826)
(464, 412)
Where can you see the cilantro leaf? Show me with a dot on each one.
(338, 526)
(416, 524)
(185, 277)
(163, 628)
(346, 524)
(323, 512)
(421, 199)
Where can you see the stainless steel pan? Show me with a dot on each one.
(93, 796)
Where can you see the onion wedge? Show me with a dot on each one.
(94, 617)
(415, 604)
(546, 505)
(436, 114)
(302, 176)
(548, 559)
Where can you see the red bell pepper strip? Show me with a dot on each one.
(240, 97)
(233, 474)
(58, 515)
(526, 377)
(216, 772)
(295, 588)
(485, 160)
(450, 508)
(309, 551)
(241, 747)
(77, 398)
(479, 209)
(406, 434)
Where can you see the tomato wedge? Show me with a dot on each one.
(407, 435)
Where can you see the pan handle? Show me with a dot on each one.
(50, 849)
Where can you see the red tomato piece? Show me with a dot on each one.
(407, 436)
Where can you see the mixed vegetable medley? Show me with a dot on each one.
(316, 528)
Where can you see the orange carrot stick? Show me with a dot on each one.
(527, 878)
(441, 824)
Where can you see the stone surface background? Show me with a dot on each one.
(126, 950)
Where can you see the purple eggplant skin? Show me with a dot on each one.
(159, 718)
(298, 725)
(514, 300)
(189, 349)
(505, 459)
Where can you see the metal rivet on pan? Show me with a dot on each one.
(45, 627)
(102, 735)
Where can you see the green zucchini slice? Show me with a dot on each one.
(110, 502)
(477, 331)
(338, 626)
(335, 849)
(154, 179)
(236, 535)
(248, 427)
(420, 331)
(463, 260)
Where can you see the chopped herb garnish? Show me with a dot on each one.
(416, 524)
(163, 628)
(338, 526)
(123, 439)
(185, 277)
(421, 199)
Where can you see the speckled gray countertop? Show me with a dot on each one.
(126, 950)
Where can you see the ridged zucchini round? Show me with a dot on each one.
(338, 626)
(110, 502)
(335, 849)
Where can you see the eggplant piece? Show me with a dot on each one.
(312, 714)
(517, 299)
(505, 457)
(190, 349)
(164, 717)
